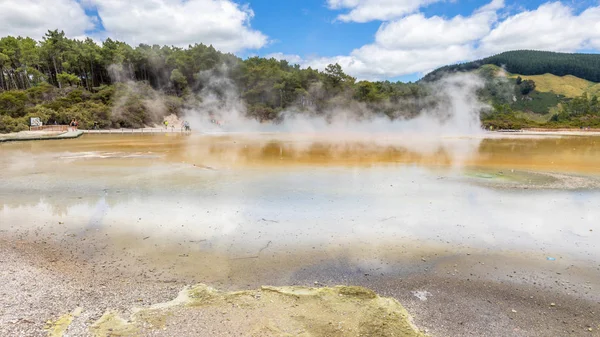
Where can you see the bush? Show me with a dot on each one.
(46, 115)
(173, 105)
(10, 124)
(104, 94)
(506, 121)
(131, 114)
(12, 103)
(86, 113)
(41, 93)
(526, 86)
(537, 102)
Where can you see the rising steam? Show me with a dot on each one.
(455, 111)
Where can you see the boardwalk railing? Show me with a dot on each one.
(64, 128)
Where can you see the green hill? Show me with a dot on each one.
(568, 85)
(545, 100)
(530, 62)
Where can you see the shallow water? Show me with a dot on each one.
(300, 199)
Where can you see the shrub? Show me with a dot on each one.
(12, 103)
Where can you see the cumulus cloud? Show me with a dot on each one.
(291, 58)
(372, 62)
(416, 43)
(222, 23)
(552, 26)
(418, 32)
(34, 18)
(369, 10)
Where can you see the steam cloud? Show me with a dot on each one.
(455, 112)
(153, 102)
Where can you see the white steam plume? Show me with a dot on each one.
(433, 131)
(456, 112)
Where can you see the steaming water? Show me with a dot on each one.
(285, 195)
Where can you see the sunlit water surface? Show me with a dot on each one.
(245, 196)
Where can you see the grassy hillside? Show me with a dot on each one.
(568, 86)
(530, 62)
(545, 100)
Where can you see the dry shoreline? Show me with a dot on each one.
(50, 135)
(38, 135)
(447, 295)
(564, 132)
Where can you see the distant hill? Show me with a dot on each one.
(569, 86)
(530, 62)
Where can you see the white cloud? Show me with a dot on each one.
(418, 32)
(552, 26)
(222, 23)
(369, 10)
(291, 58)
(34, 18)
(372, 62)
(418, 44)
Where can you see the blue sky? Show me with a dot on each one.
(308, 27)
(311, 28)
(371, 39)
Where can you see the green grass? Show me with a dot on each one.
(532, 116)
(568, 86)
(537, 102)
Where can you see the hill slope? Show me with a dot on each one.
(546, 100)
(568, 85)
(530, 62)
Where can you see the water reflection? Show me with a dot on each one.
(239, 214)
(234, 195)
(559, 154)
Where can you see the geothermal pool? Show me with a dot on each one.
(240, 210)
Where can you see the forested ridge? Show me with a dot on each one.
(61, 78)
(116, 85)
(532, 62)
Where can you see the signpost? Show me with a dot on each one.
(35, 121)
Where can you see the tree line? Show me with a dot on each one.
(532, 62)
(117, 85)
(266, 84)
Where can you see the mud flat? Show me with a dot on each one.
(471, 236)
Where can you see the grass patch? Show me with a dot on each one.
(568, 86)
(537, 102)
(535, 117)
